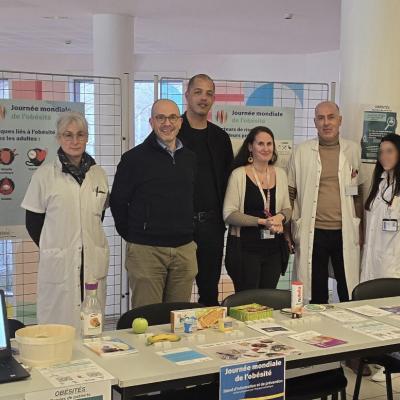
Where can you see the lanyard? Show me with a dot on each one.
(388, 202)
(266, 200)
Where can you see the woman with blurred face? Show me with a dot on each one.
(256, 206)
(381, 255)
(65, 204)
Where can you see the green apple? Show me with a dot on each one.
(140, 325)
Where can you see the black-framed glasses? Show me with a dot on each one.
(161, 118)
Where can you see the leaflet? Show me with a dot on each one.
(343, 316)
(183, 356)
(248, 349)
(270, 328)
(74, 372)
(369, 311)
(375, 329)
(317, 340)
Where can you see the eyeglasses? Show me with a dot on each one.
(80, 136)
(161, 118)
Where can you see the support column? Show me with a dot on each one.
(113, 38)
(370, 61)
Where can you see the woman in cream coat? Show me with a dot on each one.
(256, 206)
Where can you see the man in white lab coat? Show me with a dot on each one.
(323, 176)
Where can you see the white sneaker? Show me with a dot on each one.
(380, 376)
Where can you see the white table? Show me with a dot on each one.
(35, 383)
(146, 371)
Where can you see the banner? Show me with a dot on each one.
(378, 122)
(263, 379)
(27, 139)
(237, 121)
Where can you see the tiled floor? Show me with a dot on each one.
(369, 389)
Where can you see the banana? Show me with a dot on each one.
(163, 337)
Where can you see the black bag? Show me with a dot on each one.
(284, 248)
(233, 260)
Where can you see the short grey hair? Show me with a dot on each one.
(67, 118)
(327, 102)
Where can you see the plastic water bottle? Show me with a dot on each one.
(91, 313)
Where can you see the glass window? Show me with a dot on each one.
(6, 254)
(144, 99)
(84, 93)
(4, 89)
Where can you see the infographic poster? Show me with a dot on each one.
(378, 122)
(238, 120)
(27, 139)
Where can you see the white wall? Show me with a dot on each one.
(316, 67)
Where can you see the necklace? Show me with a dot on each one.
(263, 175)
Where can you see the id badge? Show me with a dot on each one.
(390, 225)
(266, 234)
(351, 190)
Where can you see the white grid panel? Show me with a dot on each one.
(102, 99)
(303, 97)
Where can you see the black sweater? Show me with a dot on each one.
(220, 147)
(152, 195)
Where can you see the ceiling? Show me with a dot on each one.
(175, 26)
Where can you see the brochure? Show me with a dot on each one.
(343, 316)
(75, 372)
(270, 328)
(392, 309)
(317, 340)
(183, 356)
(248, 349)
(370, 311)
(375, 329)
(108, 347)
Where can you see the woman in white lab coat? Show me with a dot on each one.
(381, 256)
(65, 204)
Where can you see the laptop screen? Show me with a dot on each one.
(4, 341)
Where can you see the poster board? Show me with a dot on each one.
(27, 139)
(238, 120)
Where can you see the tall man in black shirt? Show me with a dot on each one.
(214, 154)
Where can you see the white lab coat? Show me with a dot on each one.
(72, 222)
(381, 255)
(304, 171)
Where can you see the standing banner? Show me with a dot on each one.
(237, 121)
(263, 379)
(378, 122)
(27, 139)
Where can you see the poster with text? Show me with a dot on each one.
(378, 122)
(237, 121)
(27, 139)
(264, 379)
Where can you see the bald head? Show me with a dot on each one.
(327, 103)
(166, 121)
(164, 103)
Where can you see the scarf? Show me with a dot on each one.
(78, 172)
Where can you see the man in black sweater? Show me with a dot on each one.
(213, 149)
(152, 205)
